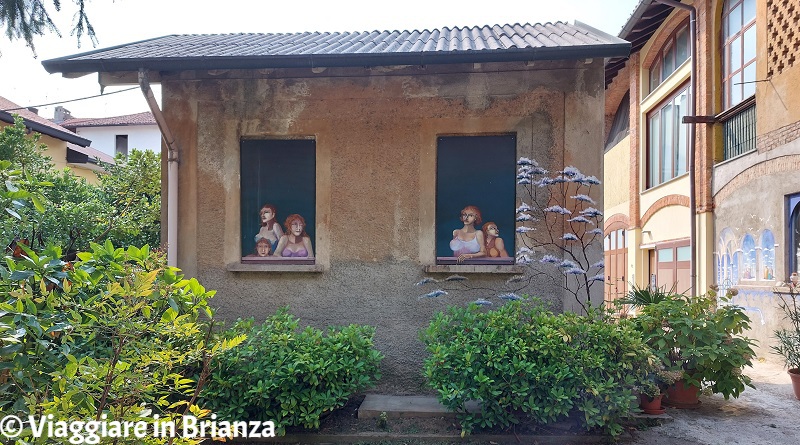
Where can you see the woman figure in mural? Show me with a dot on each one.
(263, 249)
(296, 242)
(495, 247)
(467, 242)
(270, 229)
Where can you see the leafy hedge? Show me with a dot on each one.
(288, 376)
(525, 364)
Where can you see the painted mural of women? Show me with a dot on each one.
(296, 242)
(495, 247)
(270, 229)
(467, 242)
(263, 249)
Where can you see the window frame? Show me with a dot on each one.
(507, 231)
(657, 74)
(727, 38)
(120, 138)
(792, 226)
(246, 259)
(654, 169)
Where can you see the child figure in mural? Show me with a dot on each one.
(296, 242)
(495, 247)
(263, 249)
(270, 229)
(467, 242)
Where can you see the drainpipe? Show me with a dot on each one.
(172, 169)
(692, 154)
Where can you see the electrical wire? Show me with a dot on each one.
(71, 100)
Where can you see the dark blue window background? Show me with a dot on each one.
(281, 173)
(479, 171)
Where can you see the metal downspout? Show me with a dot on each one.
(172, 169)
(692, 154)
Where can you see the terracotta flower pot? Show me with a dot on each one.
(794, 373)
(682, 395)
(651, 405)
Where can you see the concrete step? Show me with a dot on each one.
(405, 406)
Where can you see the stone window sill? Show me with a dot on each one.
(271, 268)
(511, 269)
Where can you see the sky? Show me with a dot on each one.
(25, 81)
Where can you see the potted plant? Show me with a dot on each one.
(700, 338)
(788, 346)
(652, 388)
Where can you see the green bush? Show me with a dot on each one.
(116, 333)
(700, 338)
(525, 364)
(289, 376)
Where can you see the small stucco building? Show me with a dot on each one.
(382, 142)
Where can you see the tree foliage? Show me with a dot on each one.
(26, 19)
(125, 207)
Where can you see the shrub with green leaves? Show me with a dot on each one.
(524, 364)
(117, 333)
(291, 376)
(702, 339)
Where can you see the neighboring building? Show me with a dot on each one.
(65, 148)
(378, 140)
(113, 135)
(747, 149)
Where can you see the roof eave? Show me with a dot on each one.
(577, 52)
(49, 131)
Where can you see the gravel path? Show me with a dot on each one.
(764, 416)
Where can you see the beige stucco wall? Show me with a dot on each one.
(375, 132)
(617, 176)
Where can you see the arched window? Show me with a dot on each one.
(738, 51)
(675, 51)
(767, 271)
(748, 258)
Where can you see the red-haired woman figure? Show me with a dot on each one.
(495, 247)
(296, 242)
(467, 242)
(270, 229)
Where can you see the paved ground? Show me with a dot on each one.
(769, 414)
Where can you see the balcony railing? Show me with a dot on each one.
(739, 131)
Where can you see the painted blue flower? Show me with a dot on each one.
(524, 217)
(523, 208)
(590, 180)
(523, 259)
(580, 219)
(595, 231)
(598, 277)
(482, 302)
(455, 278)
(569, 237)
(558, 209)
(434, 294)
(426, 280)
(575, 271)
(509, 297)
(600, 264)
(523, 229)
(524, 181)
(584, 198)
(569, 264)
(525, 161)
(571, 171)
(591, 212)
(550, 259)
